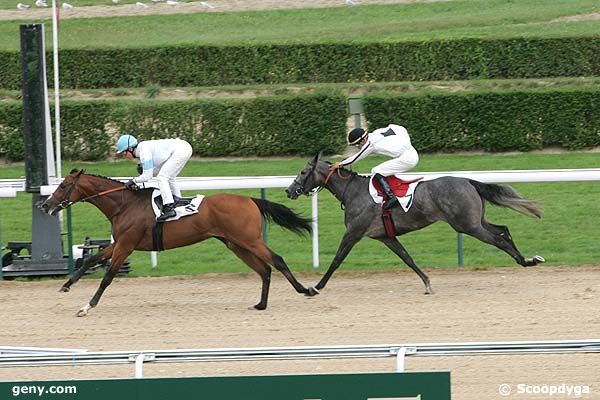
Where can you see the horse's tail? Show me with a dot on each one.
(283, 216)
(505, 196)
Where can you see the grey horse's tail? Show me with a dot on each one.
(505, 196)
(283, 216)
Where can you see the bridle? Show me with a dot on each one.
(66, 203)
(300, 189)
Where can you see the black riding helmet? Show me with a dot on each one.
(355, 135)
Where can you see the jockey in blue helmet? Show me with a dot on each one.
(163, 157)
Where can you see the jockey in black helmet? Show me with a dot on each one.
(392, 141)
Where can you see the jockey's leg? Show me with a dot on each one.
(391, 199)
(168, 210)
(175, 165)
(405, 162)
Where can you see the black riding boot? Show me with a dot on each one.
(391, 199)
(168, 211)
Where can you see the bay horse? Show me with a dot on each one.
(234, 220)
(458, 201)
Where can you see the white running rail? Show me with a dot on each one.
(298, 353)
(9, 187)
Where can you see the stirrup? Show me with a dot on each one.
(166, 215)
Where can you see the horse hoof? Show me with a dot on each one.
(539, 259)
(312, 292)
(83, 311)
(63, 289)
(258, 307)
(428, 291)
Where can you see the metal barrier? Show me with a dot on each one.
(296, 353)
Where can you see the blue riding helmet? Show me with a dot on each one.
(126, 142)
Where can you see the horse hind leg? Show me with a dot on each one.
(260, 250)
(500, 237)
(261, 268)
(505, 234)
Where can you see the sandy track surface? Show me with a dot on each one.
(210, 311)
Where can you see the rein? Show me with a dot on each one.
(332, 171)
(66, 203)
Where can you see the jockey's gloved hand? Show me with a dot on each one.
(140, 170)
(131, 185)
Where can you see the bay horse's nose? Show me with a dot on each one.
(44, 206)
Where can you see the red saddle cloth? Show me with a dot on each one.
(398, 186)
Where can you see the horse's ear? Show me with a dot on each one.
(317, 157)
(74, 170)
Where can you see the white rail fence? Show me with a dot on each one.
(10, 357)
(9, 187)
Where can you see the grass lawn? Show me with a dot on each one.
(392, 22)
(566, 236)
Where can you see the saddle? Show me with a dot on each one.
(179, 201)
(400, 187)
(183, 206)
(403, 189)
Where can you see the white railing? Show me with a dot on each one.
(299, 353)
(11, 186)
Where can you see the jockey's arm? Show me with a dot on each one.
(364, 151)
(147, 166)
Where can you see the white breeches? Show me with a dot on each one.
(169, 171)
(408, 160)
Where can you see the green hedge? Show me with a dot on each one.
(259, 127)
(504, 120)
(494, 121)
(319, 63)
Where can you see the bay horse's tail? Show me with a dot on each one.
(283, 216)
(505, 196)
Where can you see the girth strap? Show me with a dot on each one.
(388, 223)
(157, 237)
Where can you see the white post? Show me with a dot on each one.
(139, 366)
(139, 362)
(315, 227)
(56, 88)
(400, 359)
(153, 259)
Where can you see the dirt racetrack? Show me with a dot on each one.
(210, 311)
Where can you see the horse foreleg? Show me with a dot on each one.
(120, 254)
(105, 254)
(348, 241)
(394, 245)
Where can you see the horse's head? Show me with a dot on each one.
(312, 176)
(65, 194)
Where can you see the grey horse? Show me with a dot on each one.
(458, 201)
